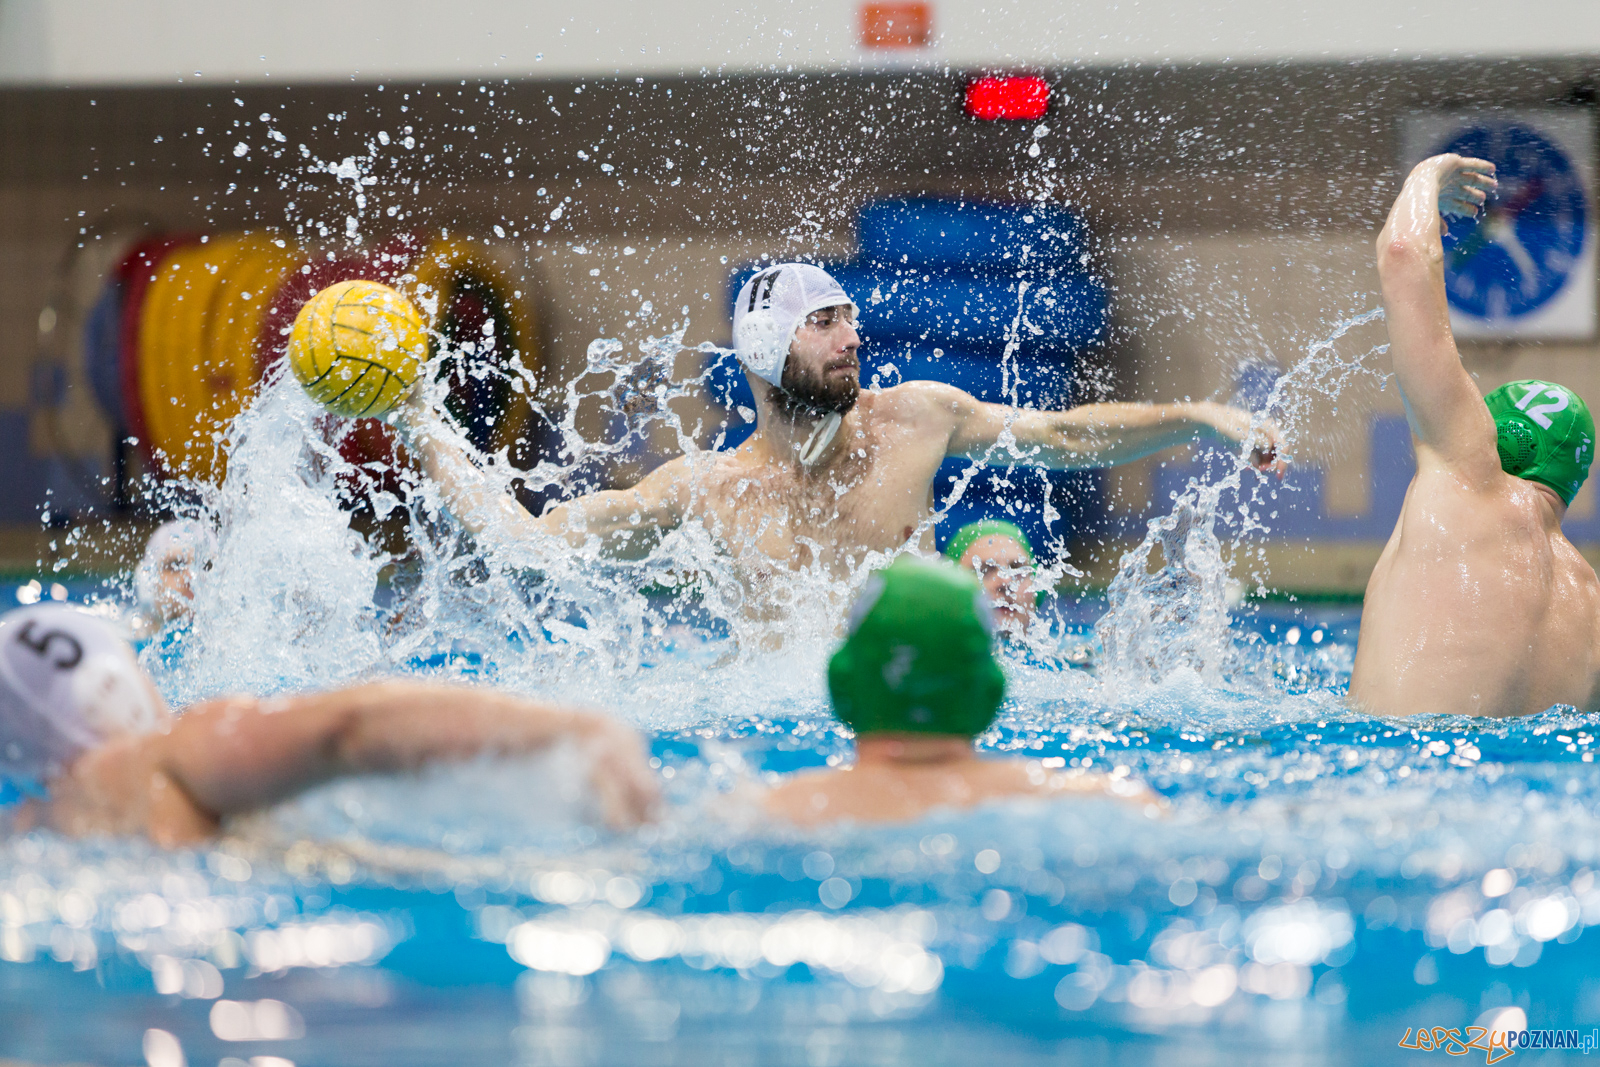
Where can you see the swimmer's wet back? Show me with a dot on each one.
(1544, 433)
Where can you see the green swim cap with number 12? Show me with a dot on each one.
(1544, 433)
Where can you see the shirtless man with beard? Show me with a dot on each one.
(831, 473)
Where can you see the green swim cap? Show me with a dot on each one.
(920, 654)
(977, 531)
(1544, 433)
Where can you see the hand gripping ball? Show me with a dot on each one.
(357, 347)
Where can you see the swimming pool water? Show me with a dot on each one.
(1318, 883)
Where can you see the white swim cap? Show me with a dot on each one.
(770, 308)
(68, 681)
(183, 541)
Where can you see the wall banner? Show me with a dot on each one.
(1527, 269)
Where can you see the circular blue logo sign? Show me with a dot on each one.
(1516, 257)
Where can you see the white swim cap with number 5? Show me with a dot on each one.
(770, 308)
(68, 682)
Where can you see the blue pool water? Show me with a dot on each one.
(1318, 883)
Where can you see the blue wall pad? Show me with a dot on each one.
(1018, 495)
(978, 312)
(27, 475)
(102, 351)
(958, 233)
(1030, 383)
(727, 385)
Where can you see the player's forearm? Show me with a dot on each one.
(1411, 264)
(626, 522)
(1409, 243)
(1410, 259)
(479, 506)
(1103, 435)
(475, 502)
(237, 755)
(400, 726)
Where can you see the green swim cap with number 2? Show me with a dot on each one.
(1544, 433)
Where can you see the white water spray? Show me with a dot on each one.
(1176, 619)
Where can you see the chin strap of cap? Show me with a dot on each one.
(820, 438)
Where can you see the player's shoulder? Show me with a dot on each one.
(676, 470)
(921, 398)
(683, 478)
(921, 391)
(682, 463)
(1473, 504)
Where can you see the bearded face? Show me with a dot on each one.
(823, 373)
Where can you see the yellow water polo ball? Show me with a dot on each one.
(357, 347)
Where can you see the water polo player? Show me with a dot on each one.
(832, 471)
(164, 579)
(999, 553)
(84, 731)
(1479, 604)
(917, 680)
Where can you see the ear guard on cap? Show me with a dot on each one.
(762, 344)
(771, 306)
(1517, 445)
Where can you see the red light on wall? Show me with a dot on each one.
(1008, 98)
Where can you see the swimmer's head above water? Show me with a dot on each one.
(1544, 433)
(164, 579)
(919, 657)
(918, 681)
(68, 683)
(999, 553)
(794, 329)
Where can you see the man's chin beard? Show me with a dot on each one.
(818, 399)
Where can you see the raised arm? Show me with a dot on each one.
(628, 522)
(1443, 405)
(236, 755)
(1103, 435)
(475, 502)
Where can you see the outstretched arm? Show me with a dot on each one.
(1443, 405)
(628, 522)
(239, 754)
(1103, 435)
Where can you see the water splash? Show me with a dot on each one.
(1176, 619)
(296, 598)
(289, 599)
